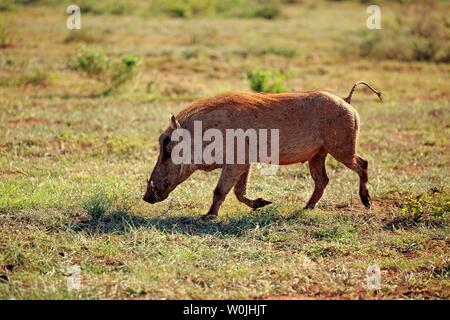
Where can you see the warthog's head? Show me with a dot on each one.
(166, 175)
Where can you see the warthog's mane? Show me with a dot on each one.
(238, 101)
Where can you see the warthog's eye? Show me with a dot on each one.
(165, 150)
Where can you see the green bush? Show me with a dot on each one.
(267, 9)
(183, 8)
(431, 208)
(425, 49)
(113, 74)
(125, 71)
(93, 63)
(434, 203)
(105, 7)
(6, 5)
(266, 80)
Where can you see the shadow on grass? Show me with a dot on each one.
(123, 221)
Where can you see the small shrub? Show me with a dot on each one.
(124, 71)
(266, 80)
(267, 11)
(6, 5)
(430, 209)
(93, 63)
(185, 8)
(104, 7)
(425, 49)
(90, 6)
(177, 9)
(426, 205)
(97, 205)
(113, 74)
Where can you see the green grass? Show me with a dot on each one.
(74, 163)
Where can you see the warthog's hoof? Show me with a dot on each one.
(260, 202)
(367, 202)
(208, 217)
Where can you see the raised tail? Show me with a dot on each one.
(349, 98)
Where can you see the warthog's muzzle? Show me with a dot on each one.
(153, 195)
(149, 197)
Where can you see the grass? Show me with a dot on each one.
(74, 164)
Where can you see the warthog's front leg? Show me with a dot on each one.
(319, 175)
(228, 178)
(240, 189)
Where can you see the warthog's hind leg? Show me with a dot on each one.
(319, 175)
(240, 189)
(360, 166)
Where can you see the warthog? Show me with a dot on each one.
(311, 125)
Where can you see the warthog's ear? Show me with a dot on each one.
(174, 124)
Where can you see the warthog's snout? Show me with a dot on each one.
(149, 197)
(154, 193)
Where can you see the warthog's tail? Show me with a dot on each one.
(349, 98)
